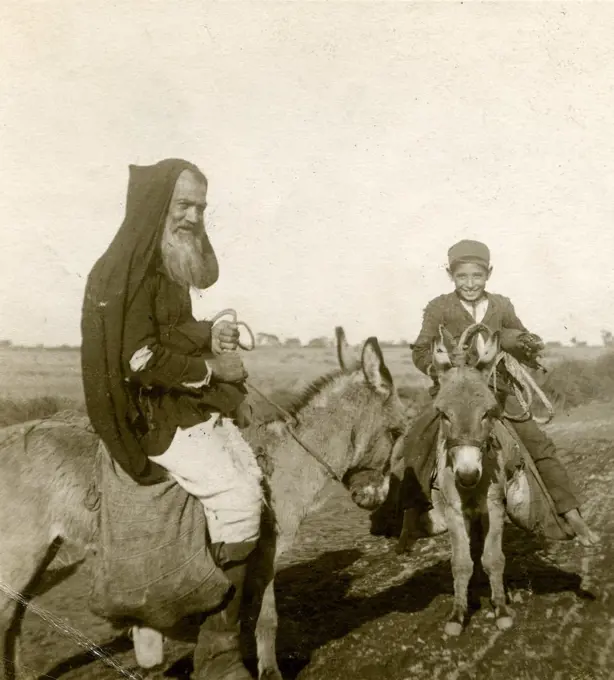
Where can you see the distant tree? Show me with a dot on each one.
(552, 344)
(293, 343)
(608, 338)
(267, 340)
(319, 342)
(5, 344)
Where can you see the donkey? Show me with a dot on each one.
(351, 418)
(470, 486)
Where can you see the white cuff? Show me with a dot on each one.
(201, 383)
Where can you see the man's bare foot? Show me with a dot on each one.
(586, 536)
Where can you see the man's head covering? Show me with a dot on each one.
(111, 286)
(469, 251)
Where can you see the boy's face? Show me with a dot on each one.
(470, 280)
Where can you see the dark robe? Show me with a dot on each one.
(126, 296)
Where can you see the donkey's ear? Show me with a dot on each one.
(441, 356)
(374, 368)
(487, 355)
(348, 360)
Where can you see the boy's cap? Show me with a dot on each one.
(469, 251)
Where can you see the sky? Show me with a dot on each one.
(347, 146)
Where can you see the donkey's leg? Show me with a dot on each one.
(266, 636)
(23, 559)
(270, 547)
(462, 568)
(493, 561)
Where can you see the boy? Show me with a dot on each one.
(469, 270)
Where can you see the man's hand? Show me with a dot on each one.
(227, 367)
(224, 337)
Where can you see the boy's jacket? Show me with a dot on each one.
(448, 311)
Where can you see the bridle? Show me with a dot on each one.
(468, 441)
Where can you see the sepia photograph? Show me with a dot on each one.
(307, 340)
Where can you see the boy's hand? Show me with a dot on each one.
(526, 347)
(227, 367)
(224, 337)
(531, 344)
(531, 347)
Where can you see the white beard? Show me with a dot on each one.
(183, 258)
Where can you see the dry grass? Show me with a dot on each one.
(37, 383)
(573, 382)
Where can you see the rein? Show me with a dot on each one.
(523, 384)
(290, 421)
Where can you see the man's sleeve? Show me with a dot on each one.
(422, 352)
(147, 360)
(189, 337)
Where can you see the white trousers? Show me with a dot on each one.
(213, 462)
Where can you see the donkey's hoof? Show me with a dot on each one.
(453, 628)
(504, 617)
(504, 622)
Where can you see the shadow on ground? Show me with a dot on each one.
(315, 608)
(119, 645)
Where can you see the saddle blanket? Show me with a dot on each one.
(152, 564)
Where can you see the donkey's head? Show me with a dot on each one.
(377, 417)
(465, 402)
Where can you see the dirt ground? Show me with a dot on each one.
(351, 608)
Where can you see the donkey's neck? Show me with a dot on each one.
(325, 422)
(326, 419)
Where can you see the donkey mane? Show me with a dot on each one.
(468, 381)
(313, 390)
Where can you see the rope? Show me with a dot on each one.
(232, 313)
(523, 384)
(290, 420)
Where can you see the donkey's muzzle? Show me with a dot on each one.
(468, 478)
(467, 464)
(369, 489)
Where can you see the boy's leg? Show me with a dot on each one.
(213, 462)
(555, 477)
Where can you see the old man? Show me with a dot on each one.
(164, 391)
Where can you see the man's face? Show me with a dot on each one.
(470, 280)
(186, 253)
(187, 206)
